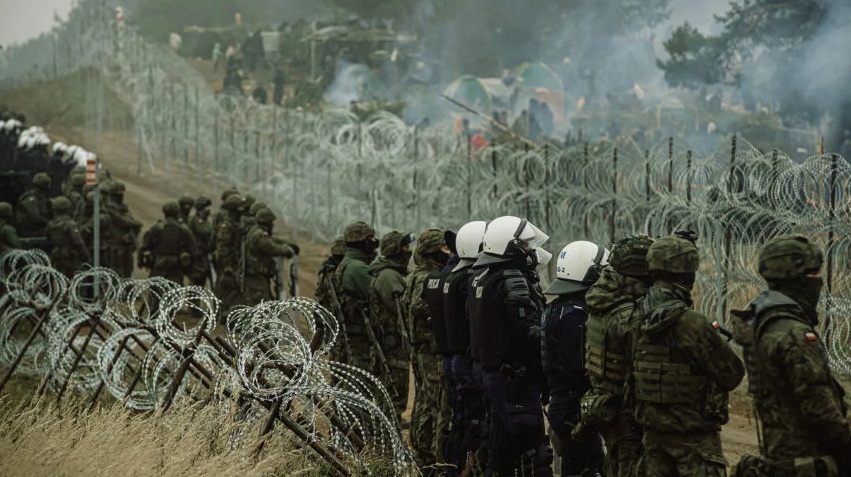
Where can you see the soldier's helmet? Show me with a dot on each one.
(117, 188)
(255, 207)
(430, 241)
(186, 201)
(233, 202)
(673, 254)
(392, 243)
(5, 210)
(249, 200)
(229, 192)
(629, 255)
(202, 201)
(61, 204)
(789, 256)
(77, 180)
(339, 246)
(358, 232)
(265, 216)
(171, 208)
(42, 180)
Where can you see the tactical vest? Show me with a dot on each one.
(166, 250)
(455, 311)
(606, 352)
(663, 375)
(433, 297)
(59, 238)
(351, 305)
(563, 334)
(491, 340)
(257, 263)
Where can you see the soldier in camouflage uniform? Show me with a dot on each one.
(430, 256)
(123, 234)
(33, 212)
(608, 353)
(186, 202)
(74, 192)
(8, 234)
(222, 212)
(683, 369)
(351, 281)
(799, 405)
(68, 252)
(325, 284)
(260, 252)
(386, 287)
(199, 225)
(167, 247)
(227, 252)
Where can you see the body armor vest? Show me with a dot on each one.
(661, 377)
(455, 310)
(351, 305)
(606, 350)
(59, 237)
(433, 296)
(168, 242)
(491, 340)
(255, 262)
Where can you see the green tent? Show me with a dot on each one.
(470, 91)
(538, 75)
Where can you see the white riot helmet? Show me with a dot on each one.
(23, 140)
(468, 243)
(578, 267)
(42, 140)
(59, 148)
(510, 237)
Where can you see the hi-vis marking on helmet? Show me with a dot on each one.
(433, 283)
(480, 291)
(716, 325)
(811, 336)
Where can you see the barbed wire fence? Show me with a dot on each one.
(134, 339)
(321, 170)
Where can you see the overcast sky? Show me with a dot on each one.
(24, 19)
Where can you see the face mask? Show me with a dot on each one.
(806, 291)
(371, 246)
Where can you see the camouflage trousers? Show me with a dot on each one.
(256, 289)
(623, 447)
(227, 290)
(426, 438)
(361, 355)
(120, 259)
(397, 384)
(695, 454)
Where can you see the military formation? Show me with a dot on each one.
(610, 367)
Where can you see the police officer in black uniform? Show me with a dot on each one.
(505, 306)
(578, 267)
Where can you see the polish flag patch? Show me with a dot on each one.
(811, 337)
(716, 325)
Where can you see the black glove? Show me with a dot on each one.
(296, 249)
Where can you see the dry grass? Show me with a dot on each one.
(39, 439)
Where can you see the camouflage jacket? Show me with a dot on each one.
(123, 227)
(170, 242)
(8, 237)
(66, 242)
(228, 238)
(260, 252)
(324, 281)
(799, 403)
(610, 329)
(33, 213)
(202, 233)
(388, 283)
(351, 280)
(683, 367)
(418, 314)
